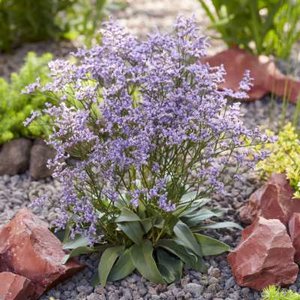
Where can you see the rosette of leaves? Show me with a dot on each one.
(160, 257)
(16, 107)
(143, 136)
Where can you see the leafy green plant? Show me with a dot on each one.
(29, 21)
(260, 26)
(37, 20)
(83, 19)
(284, 157)
(274, 293)
(16, 107)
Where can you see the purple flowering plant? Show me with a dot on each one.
(143, 137)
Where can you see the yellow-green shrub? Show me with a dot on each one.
(284, 157)
(274, 293)
(16, 107)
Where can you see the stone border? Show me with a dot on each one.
(21, 155)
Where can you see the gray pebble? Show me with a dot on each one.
(194, 288)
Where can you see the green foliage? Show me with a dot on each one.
(154, 254)
(83, 19)
(37, 20)
(260, 26)
(16, 107)
(284, 157)
(274, 293)
(28, 21)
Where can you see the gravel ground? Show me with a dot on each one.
(217, 284)
(141, 16)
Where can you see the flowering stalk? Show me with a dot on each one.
(142, 135)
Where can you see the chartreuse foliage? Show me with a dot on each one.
(16, 107)
(274, 293)
(143, 138)
(260, 26)
(284, 157)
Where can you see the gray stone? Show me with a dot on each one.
(194, 288)
(229, 283)
(14, 157)
(39, 156)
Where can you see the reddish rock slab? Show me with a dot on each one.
(29, 249)
(15, 156)
(266, 77)
(274, 200)
(294, 230)
(265, 256)
(15, 287)
(39, 156)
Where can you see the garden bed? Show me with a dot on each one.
(218, 283)
(18, 191)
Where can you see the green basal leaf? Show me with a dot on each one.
(188, 197)
(123, 267)
(219, 225)
(148, 224)
(211, 246)
(133, 230)
(186, 237)
(107, 261)
(127, 216)
(142, 258)
(79, 241)
(186, 209)
(78, 251)
(169, 266)
(190, 259)
(197, 217)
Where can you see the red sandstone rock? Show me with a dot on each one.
(294, 230)
(274, 200)
(266, 77)
(15, 287)
(29, 249)
(264, 256)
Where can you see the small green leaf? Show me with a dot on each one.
(180, 251)
(78, 251)
(144, 262)
(219, 225)
(79, 241)
(148, 224)
(169, 266)
(107, 260)
(211, 246)
(186, 237)
(122, 268)
(197, 217)
(127, 216)
(133, 230)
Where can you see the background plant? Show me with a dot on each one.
(274, 293)
(143, 137)
(83, 19)
(15, 107)
(29, 21)
(260, 26)
(37, 20)
(284, 157)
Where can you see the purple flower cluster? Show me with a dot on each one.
(142, 123)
